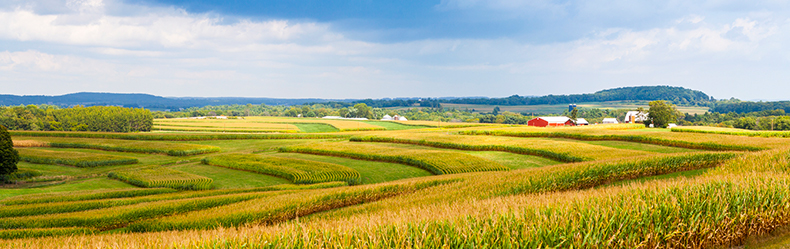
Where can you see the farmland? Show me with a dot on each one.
(263, 182)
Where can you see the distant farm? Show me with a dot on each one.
(275, 182)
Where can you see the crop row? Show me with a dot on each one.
(181, 150)
(562, 157)
(114, 217)
(587, 175)
(233, 125)
(73, 158)
(166, 128)
(74, 206)
(173, 137)
(626, 138)
(83, 195)
(296, 170)
(157, 177)
(44, 232)
(436, 162)
(280, 208)
(782, 134)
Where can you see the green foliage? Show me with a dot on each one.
(626, 138)
(662, 113)
(9, 157)
(296, 170)
(95, 118)
(675, 94)
(157, 177)
(73, 158)
(782, 134)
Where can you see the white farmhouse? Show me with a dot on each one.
(635, 116)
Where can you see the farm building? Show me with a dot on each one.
(609, 121)
(581, 121)
(386, 117)
(399, 118)
(550, 121)
(635, 116)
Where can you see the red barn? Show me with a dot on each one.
(550, 121)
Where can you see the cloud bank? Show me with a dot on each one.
(56, 47)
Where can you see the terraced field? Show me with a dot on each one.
(392, 185)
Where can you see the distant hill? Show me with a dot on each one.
(678, 95)
(144, 100)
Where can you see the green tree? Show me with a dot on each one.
(661, 113)
(574, 113)
(9, 157)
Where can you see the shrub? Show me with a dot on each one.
(9, 157)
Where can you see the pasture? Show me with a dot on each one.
(264, 182)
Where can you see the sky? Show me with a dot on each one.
(387, 49)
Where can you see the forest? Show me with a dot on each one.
(95, 118)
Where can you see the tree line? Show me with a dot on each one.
(94, 118)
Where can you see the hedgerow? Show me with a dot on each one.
(296, 170)
(156, 177)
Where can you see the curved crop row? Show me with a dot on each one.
(114, 217)
(156, 177)
(166, 128)
(83, 196)
(436, 162)
(279, 208)
(172, 149)
(73, 158)
(781, 134)
(44, 232)
(626, 138)
(296, 170)
(562, 157)
(174, 137)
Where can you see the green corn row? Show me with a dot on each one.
(436, 162)
(172, 152)
(626, 138)
(82, 162)
(114, 217)
(781, 134)
(562, 157)
(279, 208)
(174, 137)
(295, 170)
(160, 128)
(158, 177)
(582, 176)
(364, 129)
(83, 196)
(44, 232)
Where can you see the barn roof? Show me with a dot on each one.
(581, 121)
(555, 119)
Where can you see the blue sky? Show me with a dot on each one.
(375, 49)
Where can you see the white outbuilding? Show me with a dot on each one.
(387, 117)
(581, 121)
(609, 121)
(635, 116)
